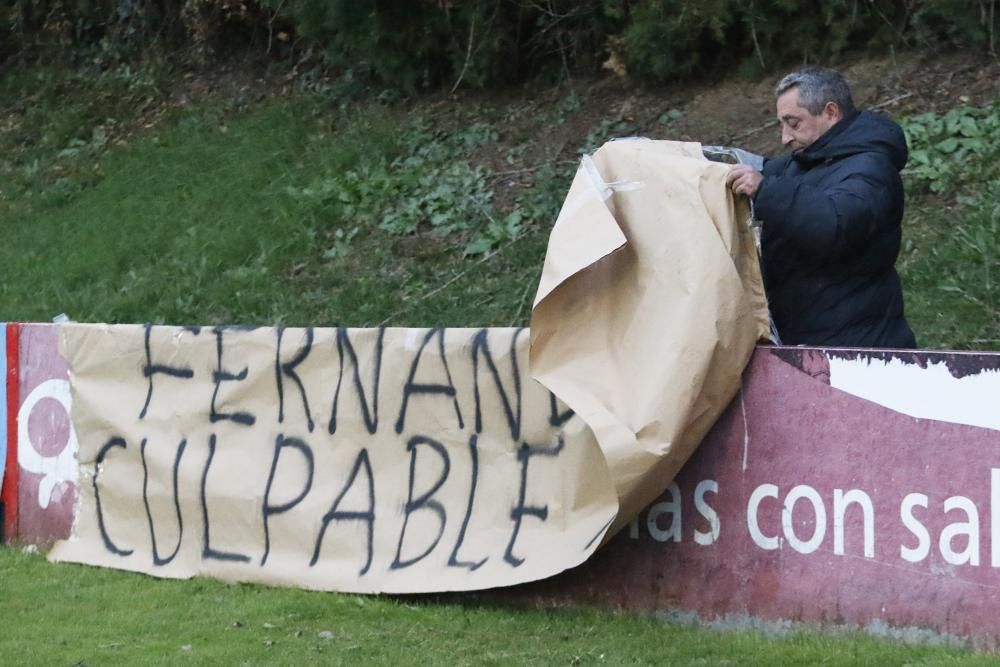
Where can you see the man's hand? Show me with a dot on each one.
(744, 179)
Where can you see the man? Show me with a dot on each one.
(831, 213)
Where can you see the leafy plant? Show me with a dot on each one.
(607, 129)
(429, 189)
(952, 262)
(943, 146)
(670, 115)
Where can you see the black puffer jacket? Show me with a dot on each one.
(831, 229)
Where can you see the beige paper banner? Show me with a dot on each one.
(396, 460)
(412, 460)
(649, 307)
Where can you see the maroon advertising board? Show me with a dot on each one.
(809, 503)
(45, 444)
(840, 488)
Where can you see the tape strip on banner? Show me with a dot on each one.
(604, 188)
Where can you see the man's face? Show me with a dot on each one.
(799, 128)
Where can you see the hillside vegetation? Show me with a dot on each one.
(172, 193)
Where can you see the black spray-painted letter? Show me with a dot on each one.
(481, 347)
(150, 369)
(98, 466)
(418, 388)
(368, 516)
(207, 551)
(453, 559)
(157, 559)
(280, 443)
(283, 368)
(219, 376)
(541, 512)
(425, 501)
(344, 347)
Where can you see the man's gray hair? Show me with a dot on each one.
(817, 86)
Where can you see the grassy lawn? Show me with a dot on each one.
(292, 213)
(76, 615)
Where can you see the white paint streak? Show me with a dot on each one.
(926, 393)
(746, 430)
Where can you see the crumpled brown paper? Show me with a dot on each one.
(649, 307)
(412, 460)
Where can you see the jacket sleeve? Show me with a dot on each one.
(829, 223)
(775, 165)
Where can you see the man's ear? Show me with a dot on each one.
(832, 112)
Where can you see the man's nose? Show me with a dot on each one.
(786, 137)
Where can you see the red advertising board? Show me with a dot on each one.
(11, 398)
(45, 444)
(810, 503)
(841, 487)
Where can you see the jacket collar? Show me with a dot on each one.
(817, 151)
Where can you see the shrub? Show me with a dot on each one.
(946, 148)
(426, 43)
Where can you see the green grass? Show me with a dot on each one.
(59, 614)
(292, 213)
(952, 272)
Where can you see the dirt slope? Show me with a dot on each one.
(740, 113)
